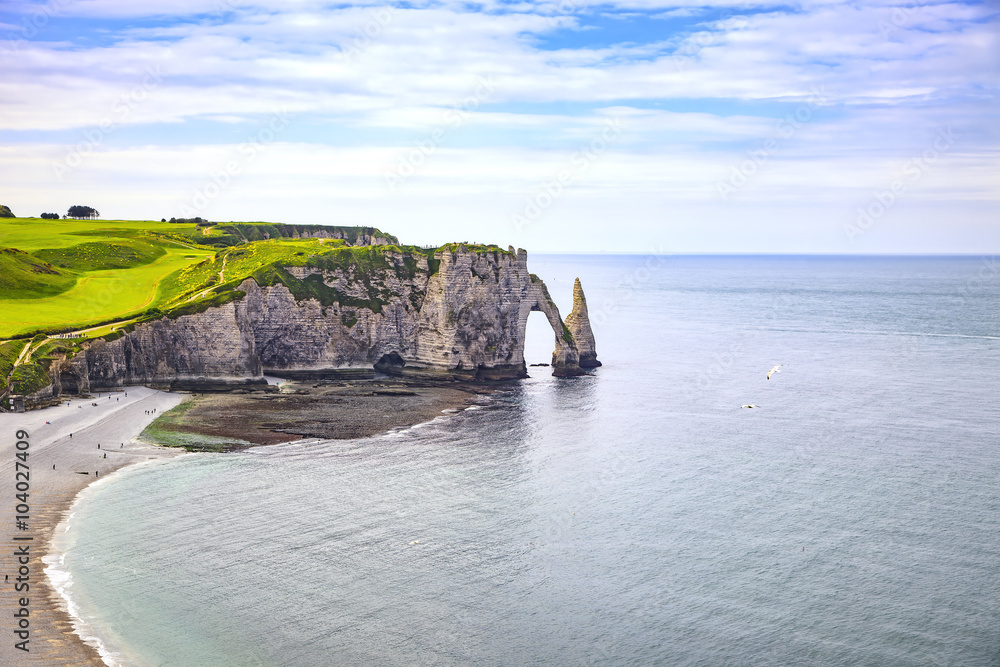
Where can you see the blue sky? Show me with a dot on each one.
(635, 126)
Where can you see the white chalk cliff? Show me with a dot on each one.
(459, 313)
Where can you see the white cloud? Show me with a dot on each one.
(422, 58)
(890, 76)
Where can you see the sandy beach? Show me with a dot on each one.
(113, 424)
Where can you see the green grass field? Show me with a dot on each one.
(97, 296)
(84, 272)
(31, 234)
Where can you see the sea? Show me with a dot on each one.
(639, 515)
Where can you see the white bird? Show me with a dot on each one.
(752, 405)
(414, 542)
(773, 371)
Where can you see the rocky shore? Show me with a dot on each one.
(307, 409)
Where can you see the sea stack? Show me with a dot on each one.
(578, 323)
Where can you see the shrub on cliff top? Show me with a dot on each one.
(9, 352)
(5, 212)
(31, 377)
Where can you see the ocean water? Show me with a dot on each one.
(635, 516)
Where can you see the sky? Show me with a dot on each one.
(648, 126)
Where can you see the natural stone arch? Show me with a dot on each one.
(474, 315)
(565, 357)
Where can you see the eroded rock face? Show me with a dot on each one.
(475, 314)
(217, 344)
(366, 237)
(578, 322)
(464, 320)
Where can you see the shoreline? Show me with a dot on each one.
(58, 635)
(78, 463)
(58, 577)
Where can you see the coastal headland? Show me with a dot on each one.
(230, 304)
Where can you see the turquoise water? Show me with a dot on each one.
(636, 516)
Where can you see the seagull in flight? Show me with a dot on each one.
(773, 371)
(751, 405)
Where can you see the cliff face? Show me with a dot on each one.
(460, 314)
(358, 236)
(217, 344)
(475, 312)
(363, 236)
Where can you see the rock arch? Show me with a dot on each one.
(565, 357)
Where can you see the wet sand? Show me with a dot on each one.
(206, 421)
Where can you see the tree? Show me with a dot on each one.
(5, 212)
(83, 213)
(49, 216)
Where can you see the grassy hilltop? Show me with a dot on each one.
(61, 275)
(98, 278)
